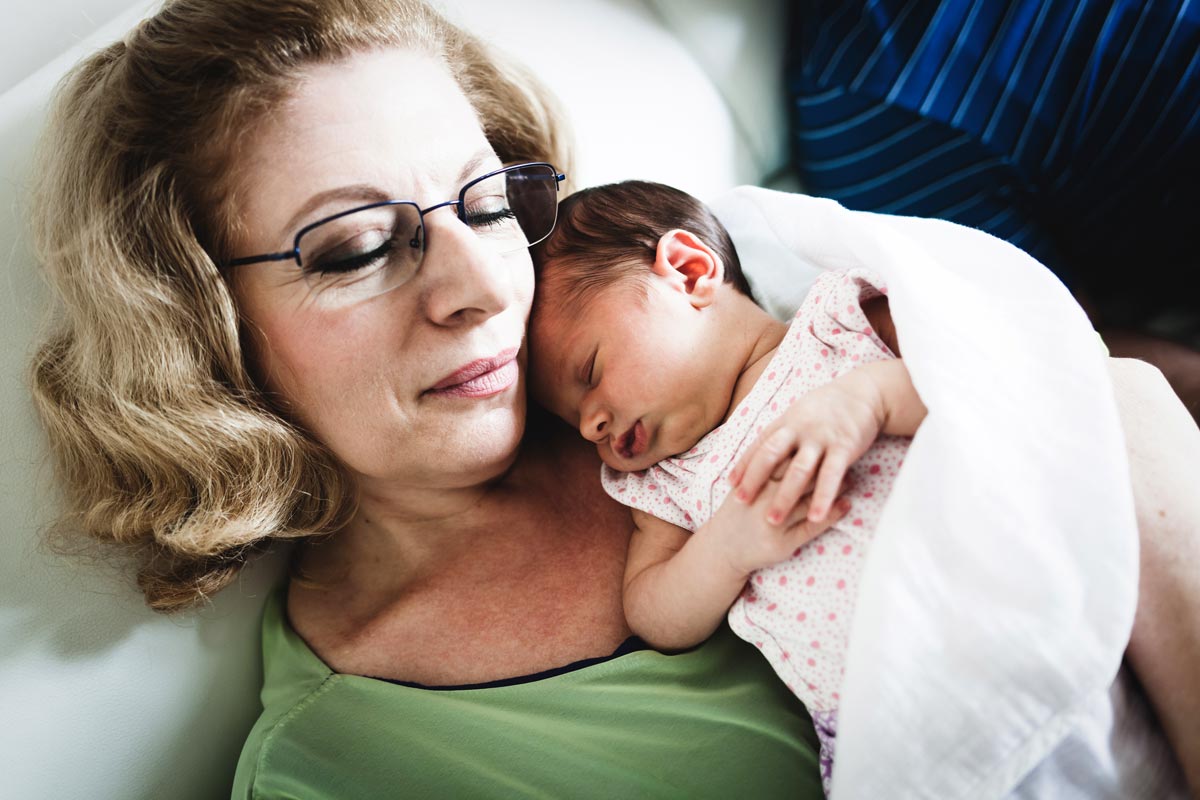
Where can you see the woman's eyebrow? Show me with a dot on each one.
(473, 164)
(366, 193)
(362, 193)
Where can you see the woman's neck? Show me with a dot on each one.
(402, 534)
(509, 582)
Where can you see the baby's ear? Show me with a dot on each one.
(690, 265)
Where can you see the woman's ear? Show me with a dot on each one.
(690, 265)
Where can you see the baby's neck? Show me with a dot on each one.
(762, 334)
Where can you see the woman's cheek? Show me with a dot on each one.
(311, 363)
(523, 283)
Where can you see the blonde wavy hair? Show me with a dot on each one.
(161, 440)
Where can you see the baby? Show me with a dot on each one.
(645, 336)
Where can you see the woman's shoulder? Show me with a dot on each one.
(292, 676)
(290, 667)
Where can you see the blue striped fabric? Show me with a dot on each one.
(1071, 129)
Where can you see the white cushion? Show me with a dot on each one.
(741, 47)
(639, 103)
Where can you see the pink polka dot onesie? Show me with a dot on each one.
(796, 612)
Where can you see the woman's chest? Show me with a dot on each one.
(538, 589)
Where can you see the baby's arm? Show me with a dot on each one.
(826, 431)
(678, 586)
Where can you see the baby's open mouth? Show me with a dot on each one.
(632, 443)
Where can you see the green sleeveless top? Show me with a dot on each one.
(710, 722)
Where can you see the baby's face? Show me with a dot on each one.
(631, 368)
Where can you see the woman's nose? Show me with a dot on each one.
(470, 282)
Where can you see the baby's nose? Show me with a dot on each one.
(594, 426)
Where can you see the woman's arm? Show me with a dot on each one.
(1163, 444)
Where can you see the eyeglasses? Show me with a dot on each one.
(357, 254)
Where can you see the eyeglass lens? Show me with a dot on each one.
(375, 249)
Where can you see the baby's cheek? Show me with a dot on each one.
(570, 414)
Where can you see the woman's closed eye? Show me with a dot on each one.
(367, 249)
(485, 219)
(488, 210)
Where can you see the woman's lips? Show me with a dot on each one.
(481, 378)
(632, 443)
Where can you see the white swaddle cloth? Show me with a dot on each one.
(999, 593)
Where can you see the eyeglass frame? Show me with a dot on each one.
(294, 253)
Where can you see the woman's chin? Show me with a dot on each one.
(458, 452)
(489, 447)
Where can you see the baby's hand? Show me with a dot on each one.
(820, 436)
(741, 536)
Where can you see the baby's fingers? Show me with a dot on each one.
(795, 482)
(829, 481)
(756, 466)
(804, 531)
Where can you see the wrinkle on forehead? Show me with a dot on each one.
(354, 122)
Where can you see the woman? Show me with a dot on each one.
(393, 418)
(236, 367)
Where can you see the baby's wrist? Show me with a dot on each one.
(870, 384)
(719, 554)
(899, 409)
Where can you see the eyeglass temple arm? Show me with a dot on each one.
(238, 262)
(558, 177)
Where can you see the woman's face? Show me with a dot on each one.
(420, 386)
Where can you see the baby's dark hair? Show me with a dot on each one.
(606, 234)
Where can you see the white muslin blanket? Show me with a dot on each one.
(999, 593)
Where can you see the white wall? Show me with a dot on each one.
(33, 32)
